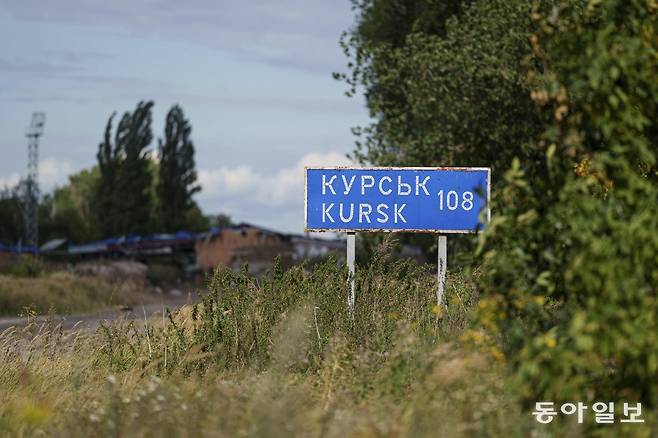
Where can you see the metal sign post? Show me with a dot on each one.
(441, 271)
(351, 253)
(440, 200)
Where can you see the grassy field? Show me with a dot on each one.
(65, 293)
(278, 356)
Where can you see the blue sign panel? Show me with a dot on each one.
(437, 200)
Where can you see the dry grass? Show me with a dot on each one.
(51, 382)
(272, 358)
(63, 292)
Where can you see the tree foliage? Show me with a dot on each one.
(135, 177)
(137, 194)
(67, 212)
(571, 257)
(123, 201)
(444, 81)
(560, 98)
(445, 85)
(126, 193)
(12, 225)
(177, 174)
(105, 204)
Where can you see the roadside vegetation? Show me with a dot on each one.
(559, 98)
(279, 356)
(31, 287)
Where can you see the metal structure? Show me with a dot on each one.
(31, 201)
(351, 255)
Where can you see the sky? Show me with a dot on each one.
(253, 77)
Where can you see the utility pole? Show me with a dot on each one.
(33, 132)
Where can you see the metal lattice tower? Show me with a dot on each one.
(33, 132)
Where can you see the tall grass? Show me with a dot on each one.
(235, 323)
(63, 292)
(270, 357)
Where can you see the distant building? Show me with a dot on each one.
(234, 246)
(257, 246)
(55, 248)
(308, 248)
(137, 246)
(190, 253)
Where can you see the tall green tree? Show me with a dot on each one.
(177, 175)
(123, 202)
(135, 177)
(445, 84)
(105, 205)
(444, 81)
(12, 223)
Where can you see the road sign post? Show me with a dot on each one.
(441, 200)
(442, 264)
(351, 254)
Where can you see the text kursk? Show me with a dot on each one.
(367, 213)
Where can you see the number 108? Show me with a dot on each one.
(451, 200)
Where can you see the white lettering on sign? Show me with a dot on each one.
(467, 201)
(364, 212)
(398, 213)
(349, 218)
(381, 188)
(383, 185)
(365, 186)
(452, 200)
(325, 212)
(326, 184)
(422, 185)
(348, 187)
(401, 185)
(384, 216)
(346, 213)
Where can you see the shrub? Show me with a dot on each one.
(570, 271)
(28, 266)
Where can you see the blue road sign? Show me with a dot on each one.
(423, 199)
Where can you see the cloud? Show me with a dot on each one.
(281, 188)
(274, 200)
(53, 172)
(9, 181)
(294, 33)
